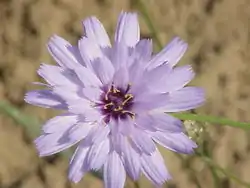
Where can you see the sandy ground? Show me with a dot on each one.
(218, 34)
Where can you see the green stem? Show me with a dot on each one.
(149, 23)
(212, 120)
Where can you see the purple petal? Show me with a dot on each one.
(79, 106)
(160, 121)
(120, 55)
(171, 54)
(64, 53)
(127, 30)
(148, 101)
(91, 93)
(78, 167)
(131, 161)
(98, 134)
(126, 126)
(55, 75)
(50, 144)
(121, 77)
(96, 32)
(104, 69)
(45, 99)
(143, 142)
(98, 154)
(154, 168)
(90, 50)
(144, 49)
(144, 122)
(66, 93)
(184, 99)
(178, 78)
(114, 173)
(156, 78)
(80, 131)
(118, 142)
(60, 123)
(87, 77)
(177, 142)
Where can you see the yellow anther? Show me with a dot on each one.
(107, 105)
(119, 108)
(106, 95)
(116, 90)
(127, 98)
(132, 114)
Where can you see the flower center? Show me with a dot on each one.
(117, 103)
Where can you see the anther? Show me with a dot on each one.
(132, 114)
(127, 98)
(119, 108)
(107, 105)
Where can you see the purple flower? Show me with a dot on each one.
(115, 99)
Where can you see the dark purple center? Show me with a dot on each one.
(117, 103)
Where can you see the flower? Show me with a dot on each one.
(114, 100)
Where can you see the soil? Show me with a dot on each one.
(218, 35)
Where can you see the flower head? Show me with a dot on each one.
(115, 99)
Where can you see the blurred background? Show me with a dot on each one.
(218, 33)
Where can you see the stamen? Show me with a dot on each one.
(116, 90)
(106, 95)
(119, 108)
(107, 105)
(127, 98)
(128, 87)
(132, 114)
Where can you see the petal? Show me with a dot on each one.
(79, 106)
(178, 78)
(144, 49)
(64, 53)
(89, 50)
(156, 78)
(117, 140)
(52, 143)
(49, 144)
(87, 77)
(78, 167)
(120, 55)
(103, 69)
(80, 130)
(127, 30)
(144, 122)
(98, 134)
(92, 93)
(45, 99)
(154, 168)
(121, 77)
(177, 142)
(114, 173)
(184, 99)
(125, 126)
(55, 75)
(96, 32)
(131, 161)
(98, 154)
(143, 143)
(165, 122)
(67, 93)
(171, 54)
(60, 123)
(148, 101)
